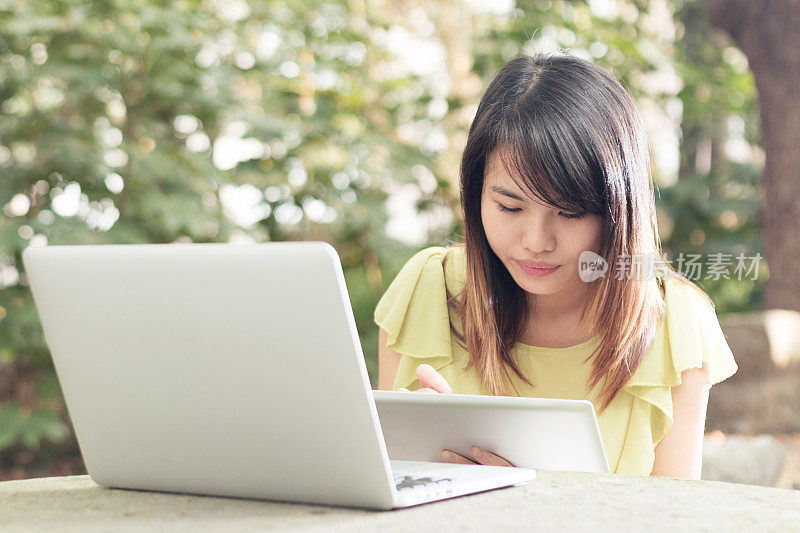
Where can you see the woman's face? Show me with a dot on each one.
(533, 232)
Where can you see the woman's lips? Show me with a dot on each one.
(536, 271)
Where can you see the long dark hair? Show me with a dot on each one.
(574, 138)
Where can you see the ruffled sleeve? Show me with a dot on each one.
(414, 313)
(690, 336)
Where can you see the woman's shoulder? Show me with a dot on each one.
(453, 253)
(418, 293)
(455, 266)
(689, 336)
(684, 296)
(442, 265)
(414, 312)
(691, 321)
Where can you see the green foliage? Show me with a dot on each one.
(111, 115)
(29, 428)
(114, 118)
(719, 209)
(716, 215)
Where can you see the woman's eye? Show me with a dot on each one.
(505, 209)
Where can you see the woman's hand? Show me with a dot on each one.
(481, 457)
(431, 381)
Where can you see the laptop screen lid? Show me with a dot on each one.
(214, 369)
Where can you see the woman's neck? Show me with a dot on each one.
(555, 320)
(566, 304)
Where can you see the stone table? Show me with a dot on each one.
(554, 501)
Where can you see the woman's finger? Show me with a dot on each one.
(429, 378)
(488, 458)
(452, 457)
(424, 389)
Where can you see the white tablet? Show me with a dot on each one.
(539, 433)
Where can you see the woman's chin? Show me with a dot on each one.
(538, 286)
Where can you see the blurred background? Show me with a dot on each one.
(241, 121)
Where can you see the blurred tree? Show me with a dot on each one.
(189, 121)
(91, 152)
(216, 120)
(715, 206)
(769, 34)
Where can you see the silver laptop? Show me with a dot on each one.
(229, 370)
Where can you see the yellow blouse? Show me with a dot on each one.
(414, 313)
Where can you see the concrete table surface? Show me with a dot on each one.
(554, 501)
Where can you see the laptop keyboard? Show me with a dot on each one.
(433, 487)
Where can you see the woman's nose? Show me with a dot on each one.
(539, 237)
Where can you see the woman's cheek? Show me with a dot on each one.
(497, 233)
(488, 223)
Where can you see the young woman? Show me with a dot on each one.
(555, 170)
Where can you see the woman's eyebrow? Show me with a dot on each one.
(514, 195)
(509, 193)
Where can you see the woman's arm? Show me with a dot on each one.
(388, 362)
(680, 452)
